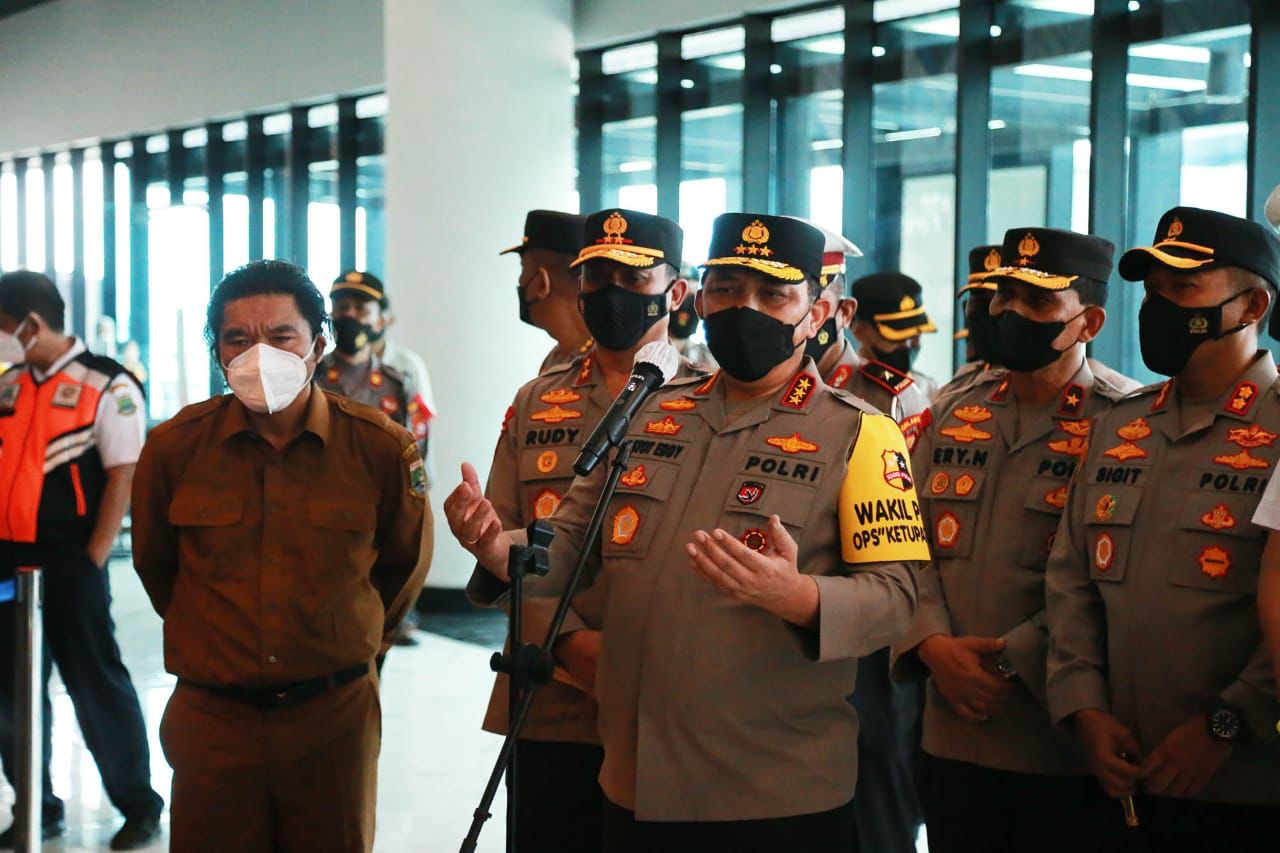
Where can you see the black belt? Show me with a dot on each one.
(284, 695)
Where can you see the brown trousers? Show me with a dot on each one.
(298, 779)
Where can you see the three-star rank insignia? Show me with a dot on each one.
(560, 396)
(947, 531)
(793, 443)
(547, 460)
(1219, 518)
(666, 426)
(1242, 461)
(750, 492)
(1072, 401)
(1104, 552)
(939, 483)
(556, 415)
(1105, 510)
(545, 504)
(1242, 398)
(1215, 562)
(635, 478)
(1057, 498)
(798, 393)
(755, 539)
(626, 523)
(896, 471)
(840, 378)
(1251, 436)
(968, 433)
(684, 404)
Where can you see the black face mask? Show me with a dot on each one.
(526, 306)
(617, 318)
(1024, 345)
(900, 360)
(350, 335)
(748, 343)
(683, 323)
(1168, 333)
(982, 334)
(827, 337)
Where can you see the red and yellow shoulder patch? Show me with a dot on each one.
(840, 376)
(1242, 399)
(892, 380)
(798, 392)
(1072, 403)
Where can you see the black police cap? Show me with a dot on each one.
(1052, 259)
(359, 284)
(778, 246)
(550, 230)
(630, 237)
(1190, 238)
(894, 303)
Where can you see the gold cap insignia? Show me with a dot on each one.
(906, 304)
(992, 260)
(614, 227)
(1028, 247)
(354, 278)
(755, 233)
(1175, 229)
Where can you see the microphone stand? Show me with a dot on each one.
(530, 666)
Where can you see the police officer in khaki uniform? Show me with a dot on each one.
(280, 570)
(890, 321)
(548, 289)
(1156, 658)
(994, 469)
(559, 753)
(763, 539)
(354, 370)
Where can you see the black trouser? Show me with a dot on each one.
(559, 798)
(970, 808)
(80, 638)
(823, 832)
(885, 803)
(1169, 825)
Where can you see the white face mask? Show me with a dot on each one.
(12, 349)
(267, 379)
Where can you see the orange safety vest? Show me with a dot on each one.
(51, 475)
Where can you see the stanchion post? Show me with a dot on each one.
(29, 649)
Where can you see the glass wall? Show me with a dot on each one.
(982, 118)
(136, 263)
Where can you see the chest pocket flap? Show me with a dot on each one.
(193, 508)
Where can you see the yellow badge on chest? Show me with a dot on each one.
(880, 517)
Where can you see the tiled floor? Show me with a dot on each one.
(435, 759)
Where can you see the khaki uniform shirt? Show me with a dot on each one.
(555, 358)
(993, 479)
(715, 710)
(532, 469)
(275, 567)
(1152, 584)
(379, 386)
(895, 394)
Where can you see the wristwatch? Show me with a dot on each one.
(1226, 724)
(1004, 666)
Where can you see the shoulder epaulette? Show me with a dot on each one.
(190, 414)
(390, 372)
(853, 400)
(689, 379)
(892, 380)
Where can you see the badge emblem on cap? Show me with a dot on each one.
(1175, 229)
(992, 261)
(907, 304)
(756, 234)
(614, 227)
(1029, 247)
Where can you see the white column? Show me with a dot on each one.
(479, 130)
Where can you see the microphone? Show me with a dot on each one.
(654, 366)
